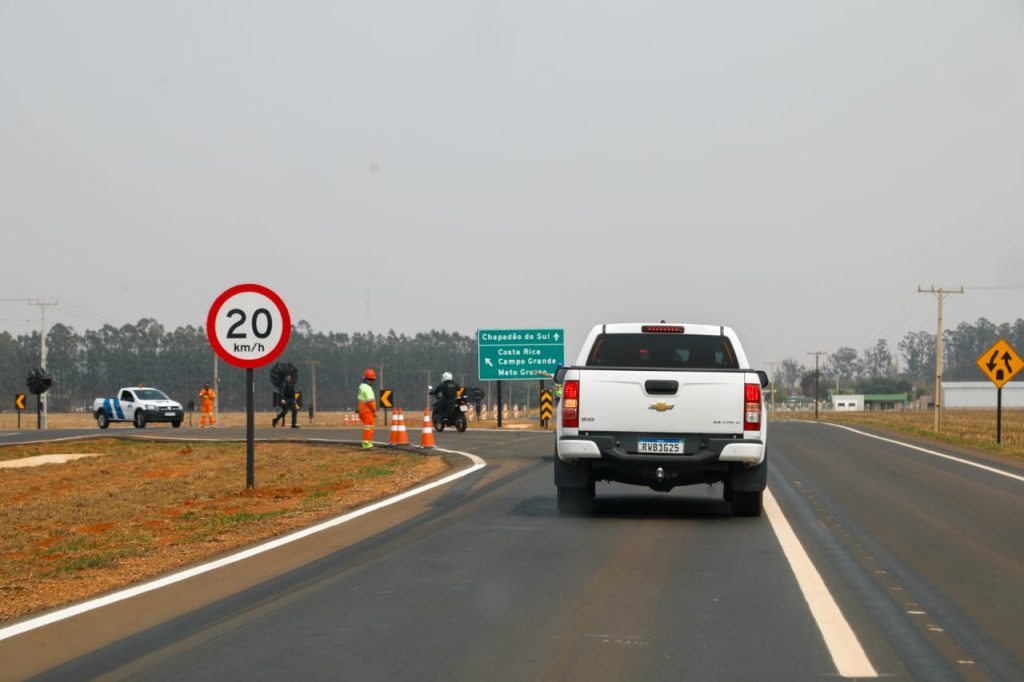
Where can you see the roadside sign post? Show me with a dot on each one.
(19, 405)
(547, 408)
(518, 355)
(387, 402)
(248, 326)
(1000, 363)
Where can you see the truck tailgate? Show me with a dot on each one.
(642, 402)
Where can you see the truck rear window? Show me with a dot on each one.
(681, 351)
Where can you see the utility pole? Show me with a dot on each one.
(817, 354)
(312, 377)
(939, 294)
(42, 348)
(773, 365)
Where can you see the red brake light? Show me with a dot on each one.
(662, 329)
(571, 404)
(752, 407)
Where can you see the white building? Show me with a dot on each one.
(980, 394)
(848, 403)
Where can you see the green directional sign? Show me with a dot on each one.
(519, 354)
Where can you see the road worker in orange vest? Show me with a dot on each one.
(206, 396)
(367, 407)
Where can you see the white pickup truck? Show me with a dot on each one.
(139, 405)
(661, 405)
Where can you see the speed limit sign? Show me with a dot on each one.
(248, 326)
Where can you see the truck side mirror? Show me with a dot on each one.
(764, 378)
(560, 374)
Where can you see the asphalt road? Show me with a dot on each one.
(482, 579)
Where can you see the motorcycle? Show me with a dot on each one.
(456, 418)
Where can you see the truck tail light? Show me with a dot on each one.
(752, 407)
(571, 404)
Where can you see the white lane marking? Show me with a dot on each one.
(931, 452)
(846, 651)
(63, 614)
(12, 433)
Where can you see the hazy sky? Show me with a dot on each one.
(793, 169)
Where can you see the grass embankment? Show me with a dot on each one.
(71, 531)
(966, 428)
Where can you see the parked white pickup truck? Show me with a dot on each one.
(139, 405)
(661, 405)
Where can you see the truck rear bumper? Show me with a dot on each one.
(749, 452)
(583, 459)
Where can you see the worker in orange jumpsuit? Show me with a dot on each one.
(206, 395)
(367, 407)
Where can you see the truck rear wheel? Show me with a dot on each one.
(746, 503)
(102, 420)
(576, 500)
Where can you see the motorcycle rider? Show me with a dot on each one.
(446, 393)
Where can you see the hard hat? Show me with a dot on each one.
(370, 374)
(447, 376)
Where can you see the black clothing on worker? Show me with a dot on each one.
(286, 403)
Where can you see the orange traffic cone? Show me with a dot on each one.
(427, 437)
(393, 438)
(403, 435)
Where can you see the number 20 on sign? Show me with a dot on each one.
(248, 326)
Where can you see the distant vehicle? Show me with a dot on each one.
(661, 405)
(455, 417)
(139, 405)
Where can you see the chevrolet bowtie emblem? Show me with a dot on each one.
(661, 407)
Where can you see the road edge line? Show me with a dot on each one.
(843, 646)
(128, 593)
(968, 462)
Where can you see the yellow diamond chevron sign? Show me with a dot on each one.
(19, 401)
(387, 398)
(1000, 363)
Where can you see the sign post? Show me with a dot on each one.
(547, 407)
(518, 355)
(1000, 363)
(248, 326)
(19, 405)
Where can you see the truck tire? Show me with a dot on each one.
(576, 500)
(139, 420)
(102, 420)
(745, 503)
(176, 424)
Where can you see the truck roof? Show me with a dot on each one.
(638, 328)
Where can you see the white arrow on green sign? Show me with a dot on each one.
(519, 354)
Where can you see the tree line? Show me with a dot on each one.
(95, 363)
(877, 369)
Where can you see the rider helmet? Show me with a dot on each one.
(447, 376)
